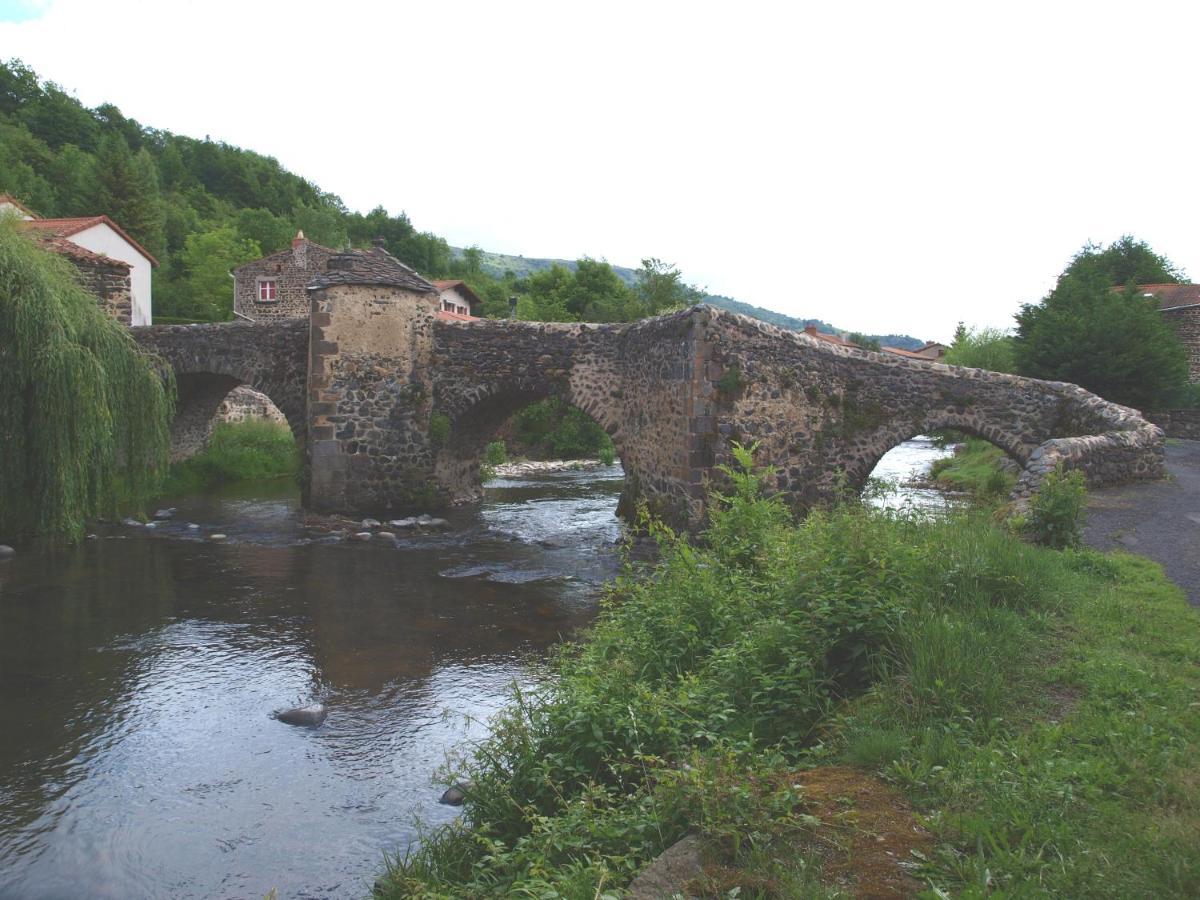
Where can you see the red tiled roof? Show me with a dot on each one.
(811, 331)
(9, 198)
(911, 354)
(64, 247)
(67, 227)
(460, 286)
(455, 317)
(1171, 296)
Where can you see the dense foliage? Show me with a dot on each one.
(914, 648)
(251, 450)
(83, 412)
(1099, 331)
(552, 429)
(981, 348)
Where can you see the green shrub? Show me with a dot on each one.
(495, 454)
(553, 429)
(1056, 510)
(251, 450)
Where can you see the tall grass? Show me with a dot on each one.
(855, 635)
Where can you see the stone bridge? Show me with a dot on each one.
(394, 406)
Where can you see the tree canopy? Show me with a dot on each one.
(83, 412)
(1107, 338)
(981, 348)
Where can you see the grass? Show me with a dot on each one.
(252, 450)
(1036, 708)
(975, 468)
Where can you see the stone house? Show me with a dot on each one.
(109, 278)
(275, 287)
(1180, 306)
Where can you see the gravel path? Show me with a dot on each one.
(1160, 520)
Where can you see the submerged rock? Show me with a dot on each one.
(192, 526)
(456, 793)
(7, 552)
(167, 513)
(431, 522)
(311, 716)
(216, 537)
(131, 523)
(410, 522)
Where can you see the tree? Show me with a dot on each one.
(204, 289)
(126, 189)
(84, 415)
(1112, 341)
(1123, 261)
(981, 348)
(660, 287)
(864, 341)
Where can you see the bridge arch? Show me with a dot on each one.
(209, 361)
(475, 424)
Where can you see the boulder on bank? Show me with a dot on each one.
(669, 874)
(456, 793)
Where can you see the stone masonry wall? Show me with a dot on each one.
(1186, 322)
(632, 379)
(821, 413)
(1178, 423)
(292, 270)
(368, 400)
(110, 285)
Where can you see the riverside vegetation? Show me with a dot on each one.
(1036, 707)
(250, 450)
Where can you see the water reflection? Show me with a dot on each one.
(138, 757)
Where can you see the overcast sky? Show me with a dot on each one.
(887, 167)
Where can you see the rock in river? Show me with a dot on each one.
(312, 715)
(456, 793)
(7, 552)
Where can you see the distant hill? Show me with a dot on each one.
(497, 264)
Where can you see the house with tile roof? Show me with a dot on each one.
(931, 352)
(111, 265)
(102, 251)
(458, 301)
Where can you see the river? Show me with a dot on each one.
(138, 756)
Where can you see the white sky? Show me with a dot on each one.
(887, 167)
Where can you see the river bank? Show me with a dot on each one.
(780, 666)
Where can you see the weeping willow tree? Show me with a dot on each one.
(84, 414)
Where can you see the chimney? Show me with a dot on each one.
(378, 242)
(810, 330)
(300, 250)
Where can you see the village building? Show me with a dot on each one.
(811, 331)
(458, 301)
(276, 286)
(931, 352)
(1180, 307)
(112, 266)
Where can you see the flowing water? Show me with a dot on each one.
(138, 756)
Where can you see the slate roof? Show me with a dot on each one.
(374, 266)
(1173, 296)
(64, 228)
(281, 254)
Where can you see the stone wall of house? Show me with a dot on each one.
(293, 269)
(369, 402)
(1178, 423)
(1186, 322)
(110, 284)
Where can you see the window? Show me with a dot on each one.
(267, 290)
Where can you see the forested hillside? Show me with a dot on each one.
(203, 207)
